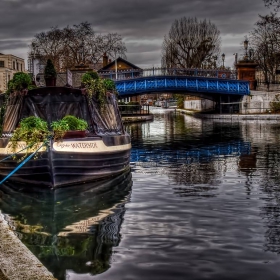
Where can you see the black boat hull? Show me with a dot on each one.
(71, 162)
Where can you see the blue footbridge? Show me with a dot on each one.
(218, 85)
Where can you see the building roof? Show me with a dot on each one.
(119, 59)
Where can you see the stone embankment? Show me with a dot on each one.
(256, 106)
(137, 118)
(16, 261)
(232, 117)
(239, 117)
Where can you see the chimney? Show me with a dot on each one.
(105, 59)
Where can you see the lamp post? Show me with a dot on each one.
(117, 50)
(81, 53)
(223, 59)
(116, 66)
(214, 61)
(246, 43)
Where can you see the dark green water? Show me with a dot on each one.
(202, 201)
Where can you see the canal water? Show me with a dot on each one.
(202, 201)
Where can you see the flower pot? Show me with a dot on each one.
(74, 134)
(50, 82)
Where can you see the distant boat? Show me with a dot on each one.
(104, 152)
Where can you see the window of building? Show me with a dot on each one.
(2, 64)
(14, 65)
(21, 67)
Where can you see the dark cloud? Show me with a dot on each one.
(142, 24)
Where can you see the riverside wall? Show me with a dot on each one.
(258, 102)
(16, 261)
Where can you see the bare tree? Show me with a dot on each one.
(272, 3)
(265, 41)
(190, 43)
(75, 45)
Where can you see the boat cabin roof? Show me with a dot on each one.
(53, 103)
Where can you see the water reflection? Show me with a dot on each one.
(205, 205)
(202, 158)
(73, 228)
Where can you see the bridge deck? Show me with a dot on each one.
(183, 84)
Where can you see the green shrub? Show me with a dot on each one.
(33, 131)
(109, 84)
(59, 128)
(89, 76)
(75, 123)
(19, 82)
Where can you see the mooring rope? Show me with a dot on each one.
(23, 162)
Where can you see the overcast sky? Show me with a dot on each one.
(142, 23)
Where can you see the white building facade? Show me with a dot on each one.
(9, 65)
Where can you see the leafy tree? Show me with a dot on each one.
(189, 43)
(265, 41)
(75, 45)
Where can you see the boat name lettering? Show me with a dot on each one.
(84, 145)
(91, 145)
(62, 145)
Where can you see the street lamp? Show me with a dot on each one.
(214, 61)
(246, 43)
(116, 51)
(235, 58)
(81, 52)
(223, 59)
(116, 67)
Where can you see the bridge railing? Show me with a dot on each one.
(138, 73)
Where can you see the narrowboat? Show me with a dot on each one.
(102, 152)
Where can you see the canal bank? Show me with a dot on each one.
(16, 261)
(137, 118)
(233, 117)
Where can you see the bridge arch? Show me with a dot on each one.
(215, 89)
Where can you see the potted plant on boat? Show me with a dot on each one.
(50, 74)
(31, 130)
(69, 127)
(98, 87)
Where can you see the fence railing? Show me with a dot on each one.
(138, 73)
(137, 109)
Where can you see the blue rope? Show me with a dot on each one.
(16, 153)
(22, 163)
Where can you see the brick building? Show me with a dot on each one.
(120, 69)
